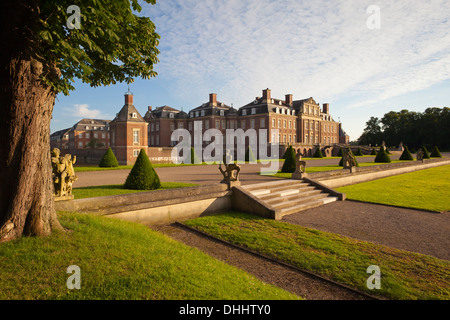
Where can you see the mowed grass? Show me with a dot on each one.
(427, 189)
(404, 275)
(120, 260)
(111, 190)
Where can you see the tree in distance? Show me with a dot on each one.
(289, 161)
(50, 44)
(435, 153)
(109, 160)
(143, 176)
(318, 153)
(406, 155)
(382, 156)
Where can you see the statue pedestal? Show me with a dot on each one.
(299, 175)
(231, 183)
(63, 198)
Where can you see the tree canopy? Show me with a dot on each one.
(113, 44)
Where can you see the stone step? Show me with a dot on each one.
(299, 201)
(269, 196)
(307, 205)
(271, 184)
(303, 195)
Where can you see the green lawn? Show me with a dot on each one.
(111, 190)
(404, 275)
(120, 260)
(425, 189)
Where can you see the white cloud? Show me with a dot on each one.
(83, 111)
(322, 48)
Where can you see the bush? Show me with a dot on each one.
(289, 161)
(406, 155)
(426, 155)
(374, 152)
(109, 160)
(435, 153)
(359, 153)
(382, 156)
(249, 155)
(340, 152)
(142, 175)
(318, 153)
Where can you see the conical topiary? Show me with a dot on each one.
(249, 155)
(142, 175)
(340, 152)
(289, 161)
(435, 153)
(374, 152)
(406, 155)
(382, 156)
(318, 153)
(426, 155)
(109, 160)
(359, 153)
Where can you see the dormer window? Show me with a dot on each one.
(253, 110)
(244, 112)
(134, 115)
(196, 114)
(171, 115)
(191, 114)
(203, 113)
(87, 127)
(222, 113)
(277, 110)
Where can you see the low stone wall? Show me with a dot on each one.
(156, 207)
(340, 178)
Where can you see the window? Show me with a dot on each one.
(253, 110)
(152, 139)
(134, 115)
(224, 124)
(244, 112)
(277, 110)
(306, 138)
(152, 127)
(135, 135)
(191, 114)
(295, 138)
(242, 124)
(196, 114)
(217, 124)
(80, 145)
(202, 113)
(262, 123)
(157, 126)
(273, 123)
(252, 123)
(222, 113)
(279, 123)
(290, 124)
(96, 135)
(290, 139)
(317, 125)
(180, 125)
(87, 127)
(284, 138)
(284, 124)
(157, 140)
(88, 135)
(306, 124)
(172, 126)
(171, 115)
(80, 135)
(135, 153)
(207, 124)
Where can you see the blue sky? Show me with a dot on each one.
(320, 49)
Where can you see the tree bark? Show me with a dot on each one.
(26, 186)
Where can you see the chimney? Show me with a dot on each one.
(213, 99)
(289, 99)
(129, 98)
(326, 108)
(150, 108)
(266, 95)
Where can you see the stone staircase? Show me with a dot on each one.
(289, 196)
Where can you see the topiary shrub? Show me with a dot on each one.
(406, 155)
(382, 156)
(249, 155)
(289, 161)
(435, 153)
(340, 152)
(318, 153)
(194, 158)
(426, 155)
(359, 153)
(109, 160)
(374, 152)
(143, 176)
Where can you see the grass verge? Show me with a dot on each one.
(112, 190)
(120, 260)
(404, 275)
(425, 189)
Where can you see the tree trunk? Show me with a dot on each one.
(26, 186)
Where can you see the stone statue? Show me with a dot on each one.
(419, 155)
(231, 172)
(300, 166)
(349, 161)
(63, 174)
